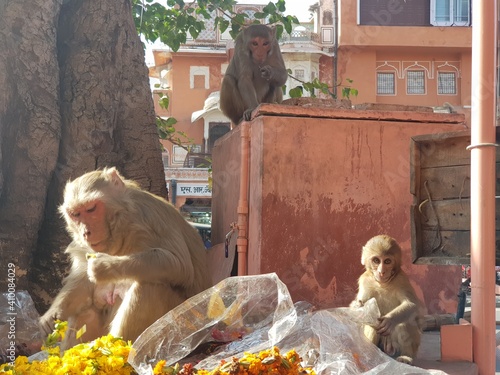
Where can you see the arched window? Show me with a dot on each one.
(327, 18)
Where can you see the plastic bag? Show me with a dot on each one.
(19, 330)
(254, 313)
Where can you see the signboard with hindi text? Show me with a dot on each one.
(193, 190)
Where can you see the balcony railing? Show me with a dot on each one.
(299, 36)
(198, 160)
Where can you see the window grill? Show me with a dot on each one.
(415, 82)
(386, 84)
(447, 84)
(299, 74)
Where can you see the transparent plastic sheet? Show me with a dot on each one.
(18, 325)
(253, 313)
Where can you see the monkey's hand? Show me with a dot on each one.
(356, 304)
(104, 267)
(386, 325)
(247, 115)
(46, 322)
(266, 72)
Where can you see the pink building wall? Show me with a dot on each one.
(322, 182)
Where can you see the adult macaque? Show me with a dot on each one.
(254, 75)
(398, 330)
(134, 257)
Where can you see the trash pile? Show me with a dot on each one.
(239, 326)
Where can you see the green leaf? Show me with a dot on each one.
(224, 24)
(280, 4)
(194, 33)
(171, 121)
(270, 8)
(279, 31)
(239, 19)
(296, 92)
(164, 102)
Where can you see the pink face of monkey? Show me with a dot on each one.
(382, 268)
(259, 48)
(88, 222)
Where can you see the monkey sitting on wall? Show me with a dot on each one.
(255, 74)
(398, 331)
(134, 258)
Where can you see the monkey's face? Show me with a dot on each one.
(87, 222)
(259, 48)
(383, 268)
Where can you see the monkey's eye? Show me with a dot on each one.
(255, 44)
(74, 213)
(266, 43)
(91, 208)
(388, 261)
(376, 260)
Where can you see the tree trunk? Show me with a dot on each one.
(75, 97)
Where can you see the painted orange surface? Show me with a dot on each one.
(363, 49)
(321, 185)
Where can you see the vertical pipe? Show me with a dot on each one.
(242, 240)
(173, 187)
(483, 117)
(335, 46)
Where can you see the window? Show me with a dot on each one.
(198, 77)
(447, 83)
(415, 82)
(164, 158)
(450, 12)
(198, 81)
(179, 154)
(327, 18)
(299, 74)
(386, 84)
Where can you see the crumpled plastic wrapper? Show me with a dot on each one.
(253, 313)
(18, 324)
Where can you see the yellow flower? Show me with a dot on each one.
(107, 355)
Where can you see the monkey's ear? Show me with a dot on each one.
(272, 30)
(363, 257)
(114, 177)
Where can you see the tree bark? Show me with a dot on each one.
(75, 97)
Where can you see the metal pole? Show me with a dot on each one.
(483, 116)
(173, 186)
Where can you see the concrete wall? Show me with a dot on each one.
(322, 182)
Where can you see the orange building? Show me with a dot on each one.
(416, 52)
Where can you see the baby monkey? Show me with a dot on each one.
(398, 331)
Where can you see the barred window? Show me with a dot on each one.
(299, 74)
(415, 82)
(386, 84)
(447, 83)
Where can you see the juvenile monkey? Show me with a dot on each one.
(255, 73)
(134, 258)
(398, 331)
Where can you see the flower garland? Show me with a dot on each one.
(108, 355)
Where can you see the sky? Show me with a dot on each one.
(298, 8)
